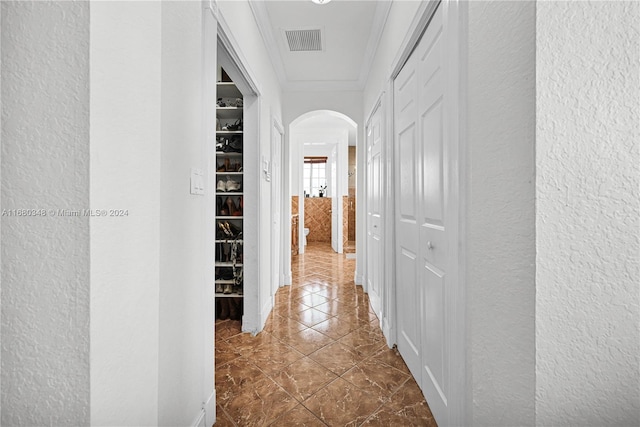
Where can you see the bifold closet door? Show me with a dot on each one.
(375, 262)
(406, 221)
(421, 221)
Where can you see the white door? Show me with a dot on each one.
(276, 205)
(374, 187)
(424, 308)
(406, 221)
(335, 199)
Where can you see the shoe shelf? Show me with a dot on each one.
(222, 193)
(231, 295)
(224, 282)
(224, 113)
(229, 132)
(229, 162)
(228, 90)
(227, 264)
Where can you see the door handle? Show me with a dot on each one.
(429, 246)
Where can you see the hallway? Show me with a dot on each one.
(321, 359)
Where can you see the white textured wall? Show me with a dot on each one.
(500, 212)
(45, 260)
(151, 330)
(0, 208)
(125, 174)
(186, 247)
(588, 228)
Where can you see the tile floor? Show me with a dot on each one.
(321, 359)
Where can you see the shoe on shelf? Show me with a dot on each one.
(224, 308)
(220, 234)
(222, 208)
(228, 230)
(232, 230)
(232, 208)
(232, 185)
(222, 186)
(227, 289)
(219, 288)
(235, 308)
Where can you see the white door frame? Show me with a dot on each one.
(387, 250)
(277, 138)
(209, 65)
(340, 145)
(333, 185)
(231, 57)
(455, 19)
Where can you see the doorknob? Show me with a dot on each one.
(429, 246)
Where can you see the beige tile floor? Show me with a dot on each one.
(320, 361)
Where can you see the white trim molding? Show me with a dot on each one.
(248, 84)
(379, 21)
(416, 29)
(271, 42)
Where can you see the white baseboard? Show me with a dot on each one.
(200, 420)
(207, 415)
(287, 279)
(388, 334)
(358, 278)
(265, 312)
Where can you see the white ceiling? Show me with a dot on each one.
(351, 31)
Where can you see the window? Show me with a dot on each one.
(315, 169)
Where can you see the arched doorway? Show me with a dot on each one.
(327, 140)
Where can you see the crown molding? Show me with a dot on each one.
(322, 86)
(261, 16)
(377, 28)
(421, 19)
(263, 21)
(246, 78)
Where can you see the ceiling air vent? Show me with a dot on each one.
(304, 40)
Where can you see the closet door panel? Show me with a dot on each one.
(433, 219)
(409, 343)
(375, 263)
(432, 158)
(421, 219)
(406, 221)
(433, 336)
(407, 143)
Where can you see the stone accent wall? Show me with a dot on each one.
(351, 203)
(345, 221)
(317, 218)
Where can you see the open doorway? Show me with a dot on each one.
(349, 206)
(323, 180)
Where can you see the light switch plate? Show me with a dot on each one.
(266, 169)
(197, 182)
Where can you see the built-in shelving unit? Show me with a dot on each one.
(229, 219)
